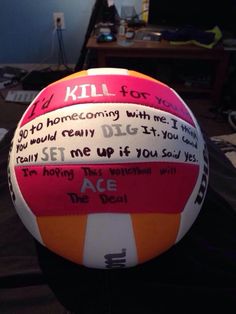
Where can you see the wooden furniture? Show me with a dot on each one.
(164, 50)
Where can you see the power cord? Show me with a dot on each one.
(57, 31)
(61, 53)
(39, 64)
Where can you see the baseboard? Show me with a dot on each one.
(36, 66)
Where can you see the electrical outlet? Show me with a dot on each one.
(59, 16)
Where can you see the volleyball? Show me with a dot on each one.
(108, 168)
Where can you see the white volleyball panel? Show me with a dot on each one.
(109, 241)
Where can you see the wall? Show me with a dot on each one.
(27, 35)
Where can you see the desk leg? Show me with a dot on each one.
(220, 78)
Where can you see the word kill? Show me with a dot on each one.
(86, 91)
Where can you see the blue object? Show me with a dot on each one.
(103, 38)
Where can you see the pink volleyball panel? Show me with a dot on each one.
(107, 89)
(122, 188)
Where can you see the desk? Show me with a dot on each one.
(165, 50)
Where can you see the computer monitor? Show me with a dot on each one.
(203, 14)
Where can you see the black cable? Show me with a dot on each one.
(63, 49)
(61, 53)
